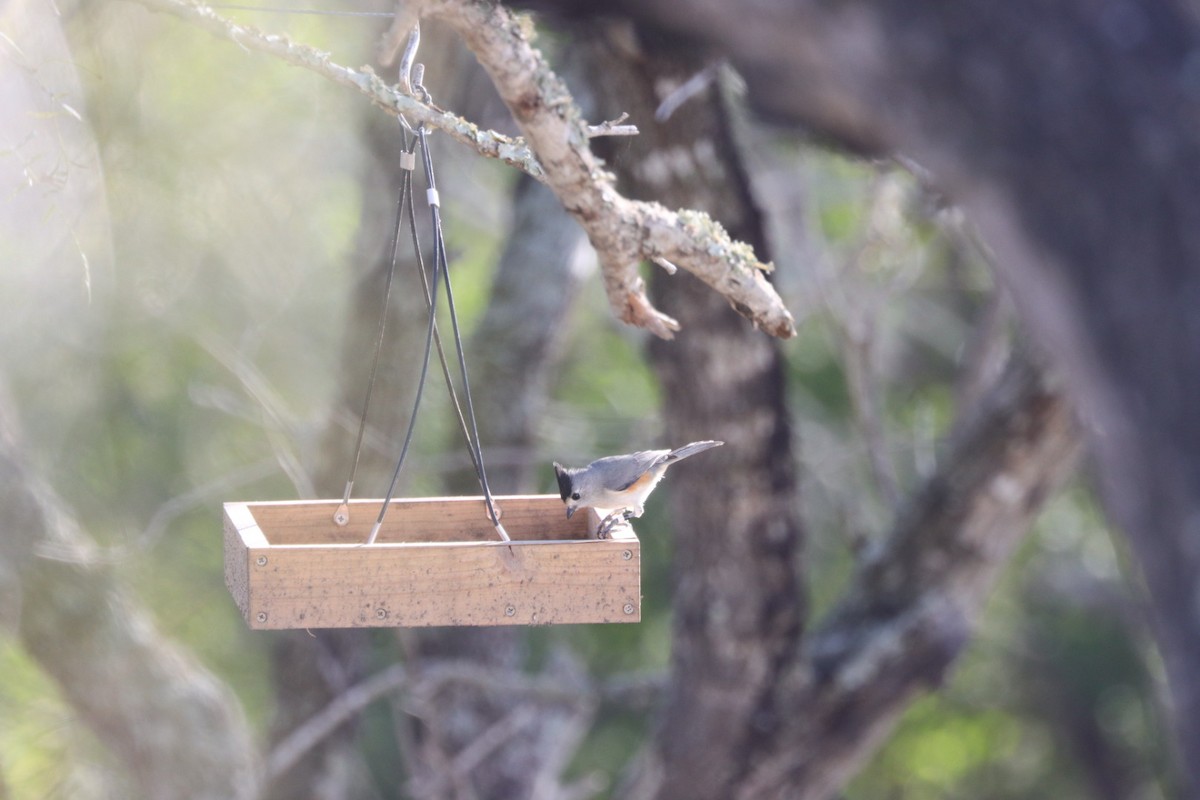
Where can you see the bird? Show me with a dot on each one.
(621, 483)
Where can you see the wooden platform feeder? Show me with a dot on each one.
(437, 561)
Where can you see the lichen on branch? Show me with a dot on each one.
(623, 231)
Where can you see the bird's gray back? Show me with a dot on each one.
(618, 472)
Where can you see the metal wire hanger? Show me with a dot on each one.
(411, 80)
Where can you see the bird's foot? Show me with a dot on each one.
(613, 520)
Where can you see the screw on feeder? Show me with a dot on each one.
(626, 554)
(629, 608)
(381, 613)
(510, 611)
(262, 616)
(261, 561)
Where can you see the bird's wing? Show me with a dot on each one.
(627, 469)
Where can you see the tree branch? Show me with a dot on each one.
(624, 232)
(1096, 244)
(388, 98)
(738, 595)
(913, 603)
(342, 708)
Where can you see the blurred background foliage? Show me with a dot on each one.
(193, 358)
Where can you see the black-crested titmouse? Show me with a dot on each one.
(620, 483)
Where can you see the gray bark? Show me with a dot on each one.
(739, 605)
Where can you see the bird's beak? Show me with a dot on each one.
(570, 511)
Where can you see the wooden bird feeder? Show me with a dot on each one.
(436, 561)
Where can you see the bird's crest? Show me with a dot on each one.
(564, 480)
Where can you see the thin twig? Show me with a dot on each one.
(857, 325)
(560, 750)
(493, 738)
(865, 398)
(489, 741)
(168, 512)
(686, 91)
(272, 412)
(613, 128)
(346, 705)
(635, 690)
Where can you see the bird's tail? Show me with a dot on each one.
(691, 450)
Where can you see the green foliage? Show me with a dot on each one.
(32, 740)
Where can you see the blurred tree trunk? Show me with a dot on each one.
(754, 711)
(1068, 131)
(738, 600)
(519, 342)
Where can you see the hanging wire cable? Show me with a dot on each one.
(412, 420)
(342, 514)
(473, 439)
(470, 427)
(411, 79)
(437, 337)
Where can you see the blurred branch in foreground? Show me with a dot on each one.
(178, 731)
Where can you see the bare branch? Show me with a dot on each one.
(485, 142)
(624, 232)
(613, 128)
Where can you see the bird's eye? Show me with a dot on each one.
(575, 495)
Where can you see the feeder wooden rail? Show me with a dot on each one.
(437, 561)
